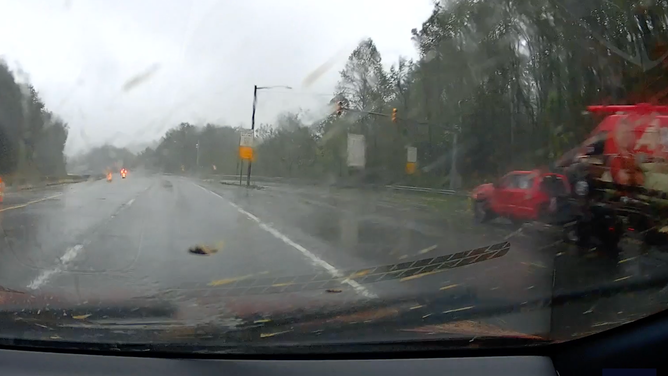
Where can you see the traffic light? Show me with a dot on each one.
(394, 115)
(339, 108)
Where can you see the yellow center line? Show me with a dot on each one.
(30, 203)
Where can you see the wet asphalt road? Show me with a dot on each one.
(131, 237)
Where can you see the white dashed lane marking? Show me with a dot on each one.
(64, 260)
(69, 255)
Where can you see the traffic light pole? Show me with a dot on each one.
(250, 162)
(396, 118)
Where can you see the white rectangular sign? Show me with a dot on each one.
(356, 150)
(246, 138)
(411, 156)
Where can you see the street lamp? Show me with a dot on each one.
(255, 89)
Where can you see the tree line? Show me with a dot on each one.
(32, 138)
(102, 159)
(511, 78)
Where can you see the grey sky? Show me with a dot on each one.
(200, 58)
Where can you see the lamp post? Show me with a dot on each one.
(255, 89)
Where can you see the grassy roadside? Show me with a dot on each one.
(439, 203)
(450, 205)
(22, 184)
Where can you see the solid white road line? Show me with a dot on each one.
(315, 260)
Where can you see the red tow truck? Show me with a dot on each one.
(613, 184)
(620, 176)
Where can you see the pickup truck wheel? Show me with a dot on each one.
(544, 214)
(481, 212)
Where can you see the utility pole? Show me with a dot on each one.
(255, 89)
(197, 163)
(250, 163)
(453, 167)
(512, 123)
(454, 176)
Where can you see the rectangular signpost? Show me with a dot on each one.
(411, 159)
(245, 149)
(246, 144)
(356, 150)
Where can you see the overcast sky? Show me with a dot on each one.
(200, 58)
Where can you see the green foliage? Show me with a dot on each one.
(512, 77)
(101, 159)
(32, 139)
(178, 150)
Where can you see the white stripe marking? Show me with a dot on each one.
(65, 259)
(71, 254)
(317, 261)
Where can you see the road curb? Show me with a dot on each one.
(50, 184)
(252, 186)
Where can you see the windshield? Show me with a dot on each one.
(223, 173)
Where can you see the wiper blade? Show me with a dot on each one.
(334, 326)
(378, 316)
(248, 285)
(60, 313)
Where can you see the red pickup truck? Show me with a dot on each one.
(521, 196)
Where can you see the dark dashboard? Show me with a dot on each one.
(635, 345)
(32, 363)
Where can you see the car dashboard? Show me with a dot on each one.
(634, 345)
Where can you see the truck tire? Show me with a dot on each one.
(578, 233)
(481, 212)
(544, 214)
(610, 239)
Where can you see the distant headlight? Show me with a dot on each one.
(581, 188)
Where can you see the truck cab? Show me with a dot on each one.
(622, 172)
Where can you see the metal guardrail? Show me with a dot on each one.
(422, 189)
(394, 187)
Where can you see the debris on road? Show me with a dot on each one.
(202, 250)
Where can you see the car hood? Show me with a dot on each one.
(228, 311)
(158, 324)
(212, 320)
